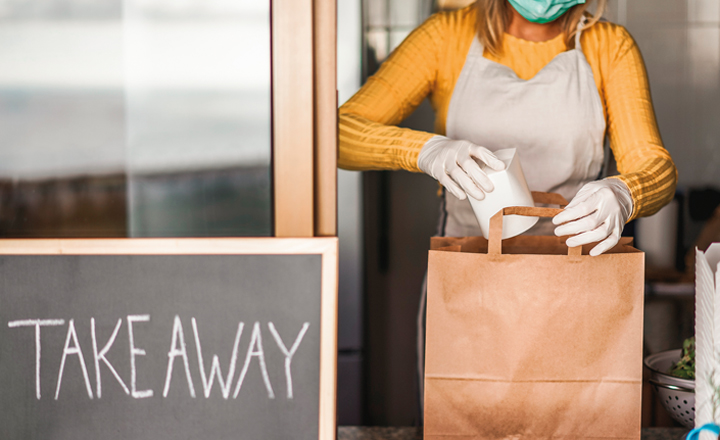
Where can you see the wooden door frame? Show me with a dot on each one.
(304, 100)
(304, 103)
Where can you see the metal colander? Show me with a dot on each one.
(677, 395)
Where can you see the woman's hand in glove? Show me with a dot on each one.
(598, 213)
(452, 163)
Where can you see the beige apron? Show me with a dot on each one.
(555, 120)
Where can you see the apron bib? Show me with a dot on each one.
(555, 121)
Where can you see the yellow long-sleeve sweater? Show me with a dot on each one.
(429, 62)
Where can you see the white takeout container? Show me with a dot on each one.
(511, 189)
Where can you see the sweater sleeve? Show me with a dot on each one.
(644, 164)
(368, 136)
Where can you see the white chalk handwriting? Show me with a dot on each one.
(176, 348)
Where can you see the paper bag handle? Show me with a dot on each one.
(496, 221)
(549, 198)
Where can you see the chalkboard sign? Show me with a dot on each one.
(168, 339)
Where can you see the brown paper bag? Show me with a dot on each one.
(527, 339)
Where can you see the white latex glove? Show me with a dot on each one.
(598, 213)
(451, 163)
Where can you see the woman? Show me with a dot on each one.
(542, 76)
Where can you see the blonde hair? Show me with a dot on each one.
(494, 18)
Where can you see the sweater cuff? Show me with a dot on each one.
(411, 160)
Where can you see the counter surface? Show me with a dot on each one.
(409, 433)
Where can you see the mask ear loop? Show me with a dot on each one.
(580, 26)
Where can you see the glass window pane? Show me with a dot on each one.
(405, 13)
(376, 12)
(387, 24)
(62, 124)
(135, 118)
(198, 109)
(377, 42)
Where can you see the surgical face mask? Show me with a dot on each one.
(543, 11)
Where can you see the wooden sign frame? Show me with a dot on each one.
(327, 247)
